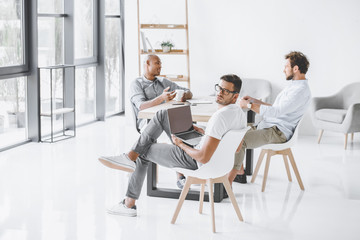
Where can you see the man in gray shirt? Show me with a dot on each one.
(150, 90)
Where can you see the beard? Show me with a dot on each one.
(223, 102)
(290, 77)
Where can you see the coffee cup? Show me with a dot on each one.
(179, 94)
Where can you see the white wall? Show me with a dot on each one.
(251, 37)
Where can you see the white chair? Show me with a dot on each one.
(283, 149)
(256, 88)
(215, 171)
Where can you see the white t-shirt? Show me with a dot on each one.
(230, 117)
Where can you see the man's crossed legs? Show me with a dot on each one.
(144, 151)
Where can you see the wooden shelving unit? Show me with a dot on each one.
(174, 52)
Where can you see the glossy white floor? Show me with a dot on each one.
(61, 191)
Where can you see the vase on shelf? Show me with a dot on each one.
(166, 49)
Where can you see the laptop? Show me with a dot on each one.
(181, 125)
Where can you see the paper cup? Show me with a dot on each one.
(179, 94)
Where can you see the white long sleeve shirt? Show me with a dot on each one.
(288, 108)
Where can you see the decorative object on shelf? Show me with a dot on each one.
(167, 45)
(145, 39)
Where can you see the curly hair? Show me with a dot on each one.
(298, 59)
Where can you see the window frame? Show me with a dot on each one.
(91, 61)
(22, 69)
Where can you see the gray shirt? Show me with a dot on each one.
(142, 90)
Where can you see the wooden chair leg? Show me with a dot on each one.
(296, 171)
(266, 170)
(182, 197)
(232, 197)
(346, 138)
(202, 191)
(258, 164)
(287, 167)
(320, 135)
(352, 137)
(211, 200)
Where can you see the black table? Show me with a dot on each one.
(219, 191)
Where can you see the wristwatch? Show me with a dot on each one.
(249, 105)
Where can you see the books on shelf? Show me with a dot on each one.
(145, 39)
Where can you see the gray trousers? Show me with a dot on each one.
(256, 138)
(167, 155)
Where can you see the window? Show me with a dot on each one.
(50, 32)
(12, 111)
(84, 29)
(113, 53)
(13, 62)
(50, 41)
(60, 40)
(11, 33)
(85, 94)
(85, 55)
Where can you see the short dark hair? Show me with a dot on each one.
(234, 79)
(298, 59)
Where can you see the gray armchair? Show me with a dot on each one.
(339, 112)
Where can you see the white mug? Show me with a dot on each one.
(179, 94)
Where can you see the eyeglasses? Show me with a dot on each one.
(223, 90)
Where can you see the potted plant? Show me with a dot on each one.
(167, 45)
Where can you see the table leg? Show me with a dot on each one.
(154, 191)
(249, 152)
(249, 162)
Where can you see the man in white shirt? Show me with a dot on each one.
(146, 150)
(281, 118)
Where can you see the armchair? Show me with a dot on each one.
(339, 112)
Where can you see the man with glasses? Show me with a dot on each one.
(178, 154)
(281, 118)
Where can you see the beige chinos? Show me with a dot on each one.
(256, 138)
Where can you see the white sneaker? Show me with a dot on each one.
(121, 162)
(123, 210)
(181, 182)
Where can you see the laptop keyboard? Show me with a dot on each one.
(189, 135)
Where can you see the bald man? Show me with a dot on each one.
(150, 90)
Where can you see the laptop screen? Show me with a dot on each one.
(180, 119)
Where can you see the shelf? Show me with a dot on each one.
(172, 52)
(163, 26)
(176, 78)
(57, 111)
